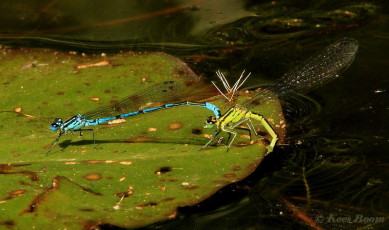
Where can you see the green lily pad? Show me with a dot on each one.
(143, 169)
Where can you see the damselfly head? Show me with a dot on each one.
(56, 124)
(210, 122)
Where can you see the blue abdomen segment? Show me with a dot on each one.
(214, 109)
(206, 105)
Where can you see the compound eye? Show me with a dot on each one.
(211, 120)
(56, 123)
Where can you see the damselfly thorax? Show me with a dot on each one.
(239, 115)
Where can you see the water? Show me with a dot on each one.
(335, 164)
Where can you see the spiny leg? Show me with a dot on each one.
(236, 126)
(252, 127)
(93, 135)
(234, 134)
(217, 131)
(55, 142)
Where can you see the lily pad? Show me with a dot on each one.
(143, 169)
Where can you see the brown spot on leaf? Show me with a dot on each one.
(175, 125)
(24, 183)
(149, 204)
(242, 144)
(93, 162)
(168, 180)
(86, 210)
(168, 199)
(197, 131)
(163, 170)
(245, 136)
(94, 98)
(229, 175)
(17, 192)
(208, 136)
(107, 91)
(236, 168)
(45, 103)
(103, 63)
(60, 93)
(191, 187)
(151, 129)
(125, 162)
(93, 176)
(117, 121)
(8, 223)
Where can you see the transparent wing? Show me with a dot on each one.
(315, 72)
(164, 92)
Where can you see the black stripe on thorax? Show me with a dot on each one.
(70, 121)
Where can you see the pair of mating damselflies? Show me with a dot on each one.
(315, 72)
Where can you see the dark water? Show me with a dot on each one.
(334, 168)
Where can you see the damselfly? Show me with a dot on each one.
(164, 92)
(316, 72)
